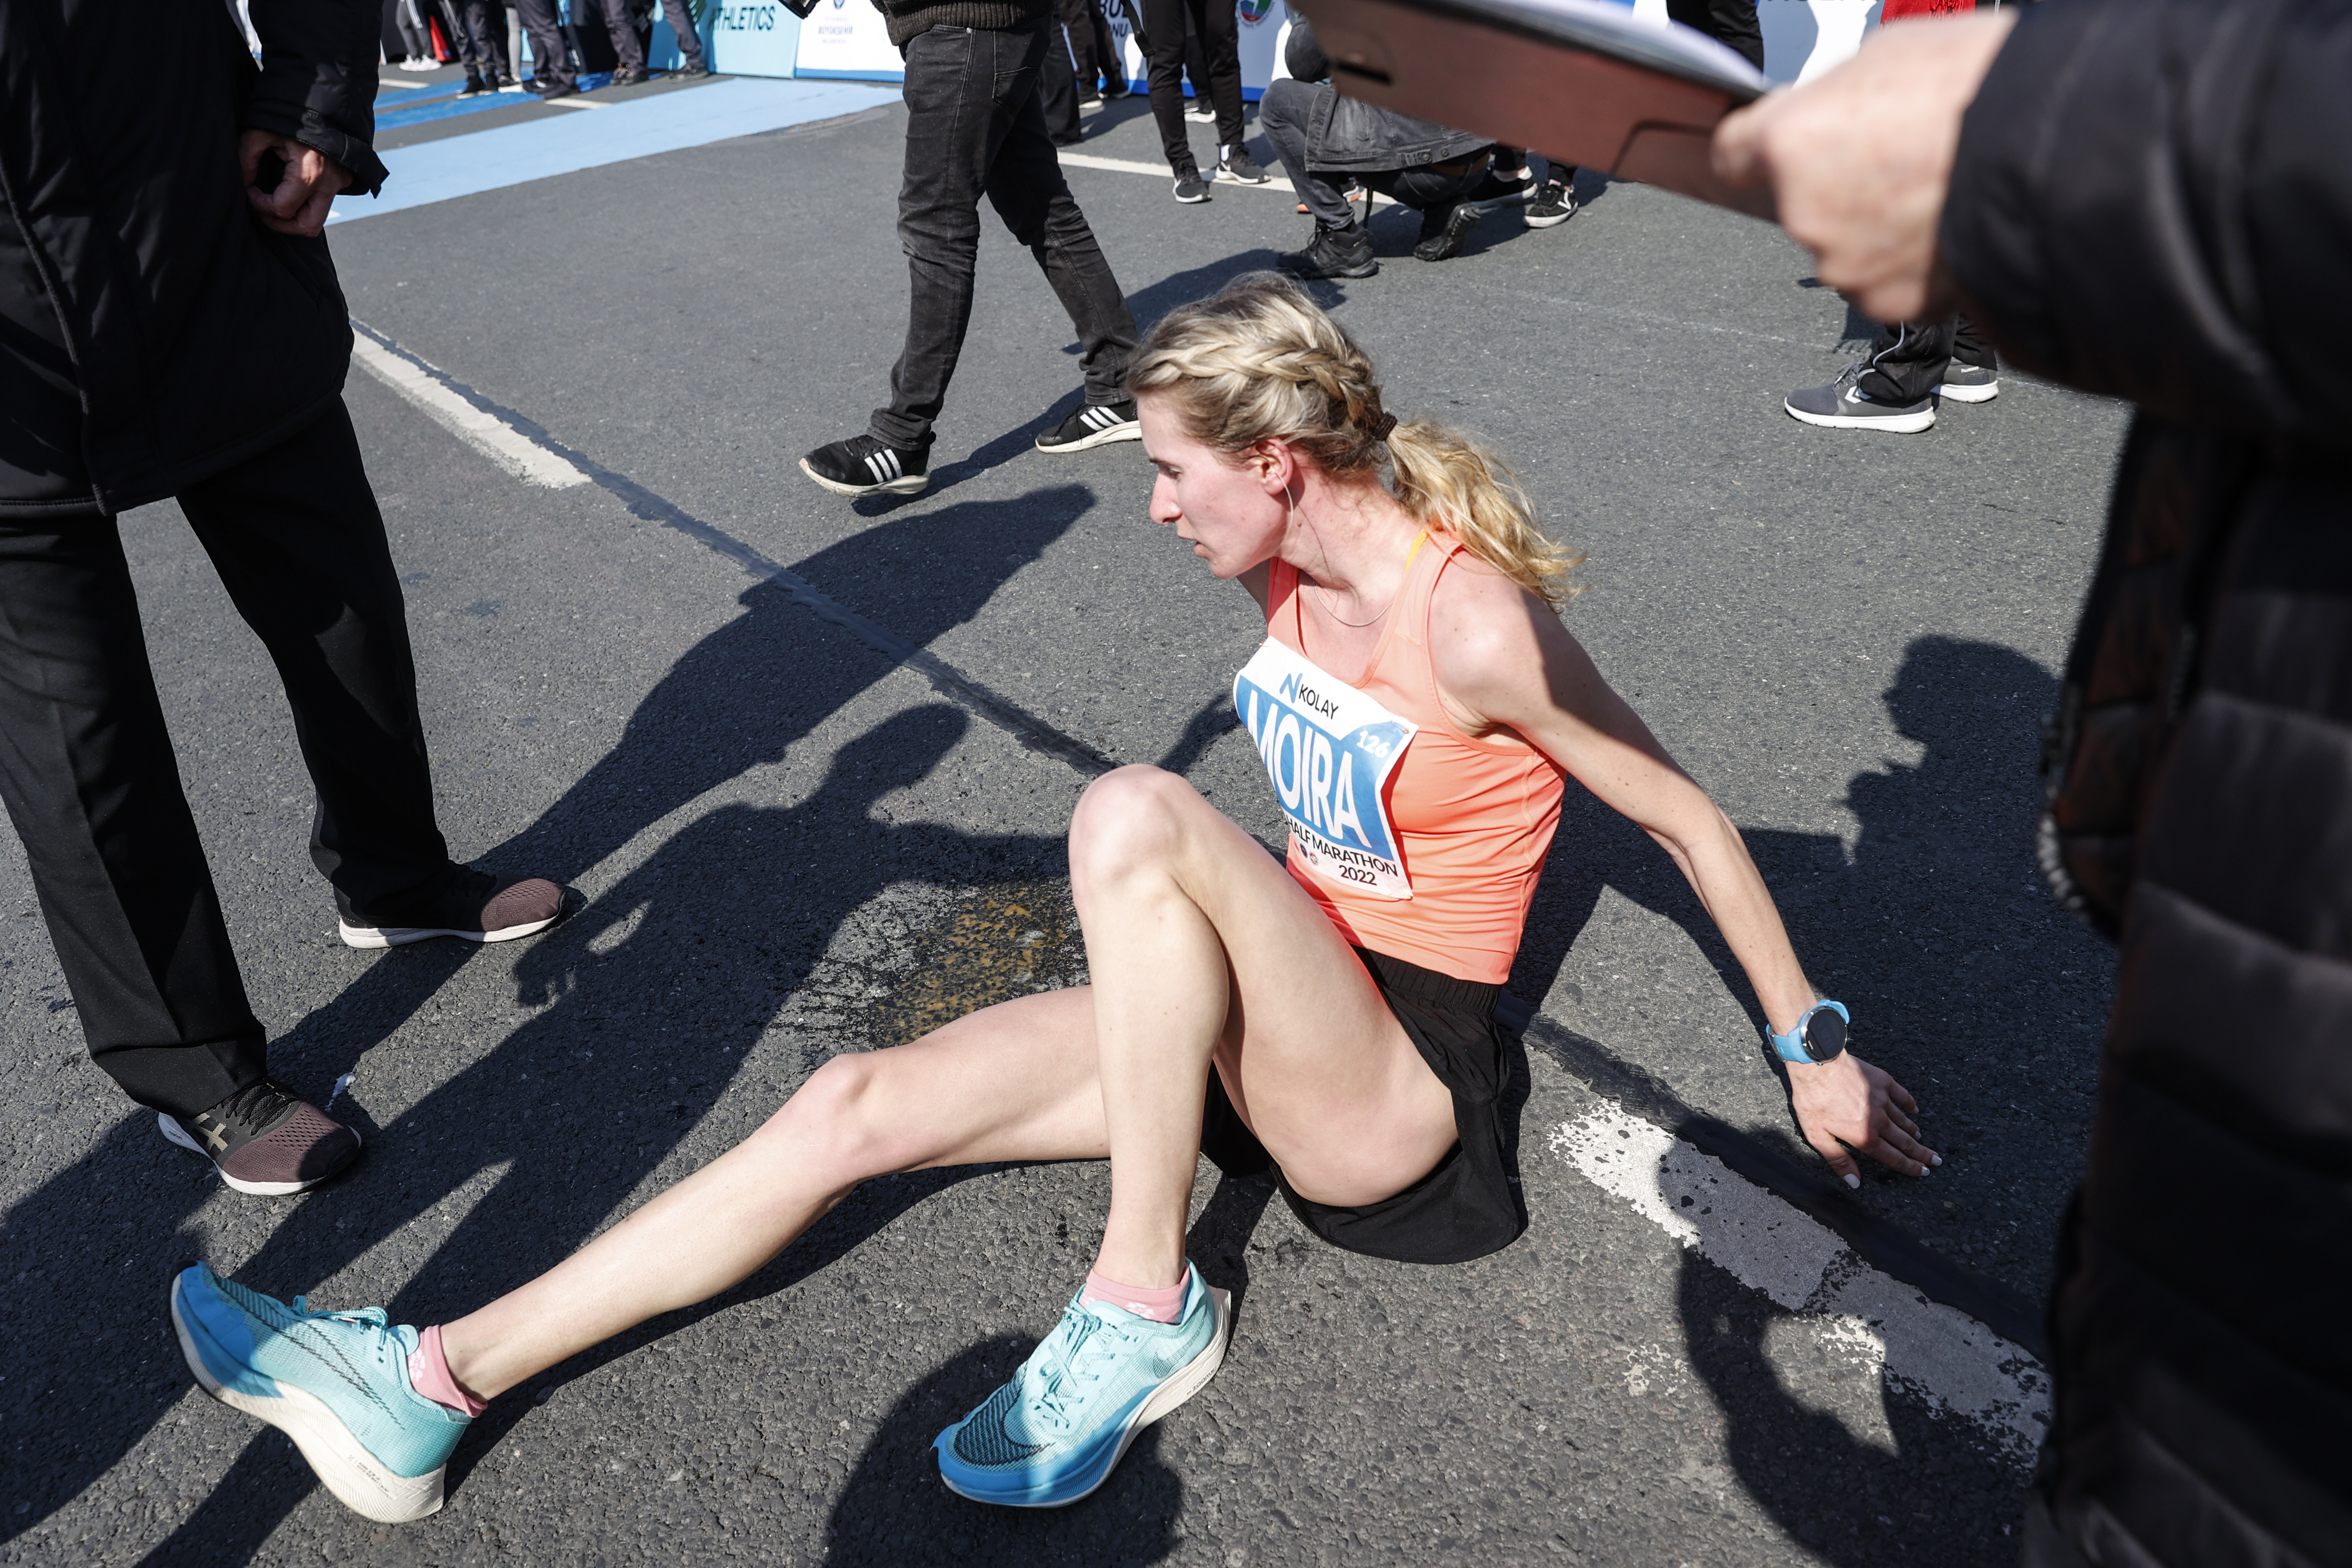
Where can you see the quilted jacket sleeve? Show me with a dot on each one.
(318, 79)
(2153, 199)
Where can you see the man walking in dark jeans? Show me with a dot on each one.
(170, 325)
(975, 127)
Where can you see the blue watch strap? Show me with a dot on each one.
(1791, 1046)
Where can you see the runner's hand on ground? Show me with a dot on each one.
(1847, 1102)
(306, 190)
(1866, 203)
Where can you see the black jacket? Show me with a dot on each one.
(1347, 134)
(2154, 199)
(152, 332)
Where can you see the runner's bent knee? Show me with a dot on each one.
(1129, 821)
(839, 1122)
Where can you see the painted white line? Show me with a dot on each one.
(1849, 1311)
(573, 103)
(1159, 171)
(502, 444)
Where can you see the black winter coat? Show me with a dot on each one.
(2154, 199)
(152, 332)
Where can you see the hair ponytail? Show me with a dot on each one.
(1258, 360)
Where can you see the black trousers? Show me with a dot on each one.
(1058, 87)
(1094, 53)
(550, 55)
(1220, 46)
(477, 31)
(1908, 361)
(1731, 23)
(487, 21)
(620, 21)
(974, 128)
(1284, 113)
(91, 780)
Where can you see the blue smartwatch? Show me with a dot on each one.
(1818, 1034)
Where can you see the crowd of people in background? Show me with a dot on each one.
(482, 37)
(1337, 153)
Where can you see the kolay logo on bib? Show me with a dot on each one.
(1329, 750)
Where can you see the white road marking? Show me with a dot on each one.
(502, 444)
(1162, 171)
(1846, 1310)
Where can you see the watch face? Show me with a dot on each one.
(1824, 1034)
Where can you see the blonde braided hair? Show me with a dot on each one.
(1258, 360)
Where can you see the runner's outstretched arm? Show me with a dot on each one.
(1504, 658)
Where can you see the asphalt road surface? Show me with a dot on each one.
(808, 764)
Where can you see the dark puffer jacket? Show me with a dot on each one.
(2154, 199)
(150, 331)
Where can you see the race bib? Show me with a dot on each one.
(1329, 750)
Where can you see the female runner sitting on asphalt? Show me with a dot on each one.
(1417, 702)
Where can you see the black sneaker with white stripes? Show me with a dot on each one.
(866, 465)
(1095, 424)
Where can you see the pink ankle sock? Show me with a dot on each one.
(1159, 1306)
(429, 1374)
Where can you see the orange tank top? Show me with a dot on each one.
(1442, 871)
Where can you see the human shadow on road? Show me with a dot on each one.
(1939, 1499)
(1935, 921)
(659, 993)
(894, 1509)
(739, 699)
(895, 1512)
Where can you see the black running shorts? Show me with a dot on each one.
(1466, 1207)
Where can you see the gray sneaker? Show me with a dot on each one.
(1190, 188)
(1969, 382)
(1843, 406)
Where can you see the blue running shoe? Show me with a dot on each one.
(1056, 1432)
(336, 1382)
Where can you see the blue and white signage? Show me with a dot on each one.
(1329, 749)
(758, 39)
(848, 39)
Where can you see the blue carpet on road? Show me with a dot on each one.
(513, 154)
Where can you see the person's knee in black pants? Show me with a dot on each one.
(1442, 194)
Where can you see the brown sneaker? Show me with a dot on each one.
(474, 907)
(264, 1140)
